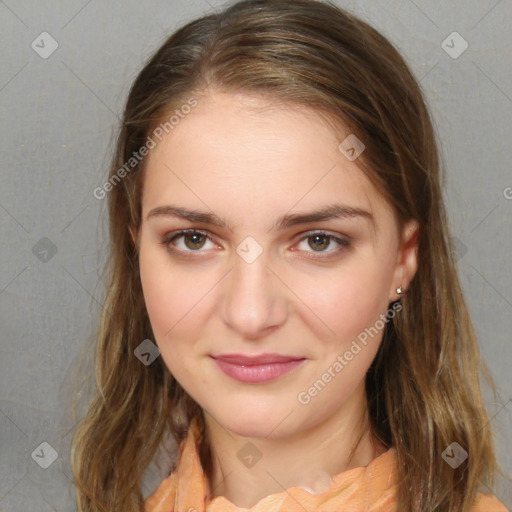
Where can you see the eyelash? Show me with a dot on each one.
(171, 237)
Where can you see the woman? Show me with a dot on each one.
(283, 302)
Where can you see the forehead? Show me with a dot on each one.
(243, 153)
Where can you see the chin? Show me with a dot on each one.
(257, 423)
(250, 431)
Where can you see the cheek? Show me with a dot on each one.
(347, 301)
(156, 287)
(175, 310)
(172, 297)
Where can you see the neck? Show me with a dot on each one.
(307, 458)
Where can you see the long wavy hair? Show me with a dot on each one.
(423, 388)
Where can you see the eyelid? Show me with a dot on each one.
(169, 237)
(327, 232)
(344, 242)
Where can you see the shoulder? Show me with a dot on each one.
(487, 503)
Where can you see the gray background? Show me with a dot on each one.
(58, 118)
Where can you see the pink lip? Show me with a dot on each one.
(262, 368)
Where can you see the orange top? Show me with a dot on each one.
(370, 488)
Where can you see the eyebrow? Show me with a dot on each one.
(334, 211)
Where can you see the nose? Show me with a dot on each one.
(254, 301)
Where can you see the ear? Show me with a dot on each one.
(407, 259)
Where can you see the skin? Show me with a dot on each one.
(249, 162)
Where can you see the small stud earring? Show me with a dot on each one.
(399, 290)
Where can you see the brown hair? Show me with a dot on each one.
(423, 387)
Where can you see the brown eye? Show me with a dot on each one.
(194, 241)
(323, 244)
(319, 242)
(188, 241)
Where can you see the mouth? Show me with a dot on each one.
(257, 368)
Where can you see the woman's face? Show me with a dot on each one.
(259, 279)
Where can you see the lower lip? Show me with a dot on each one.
(258, 372)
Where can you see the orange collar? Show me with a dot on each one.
(368, 488)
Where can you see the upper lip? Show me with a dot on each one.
(256, 359)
